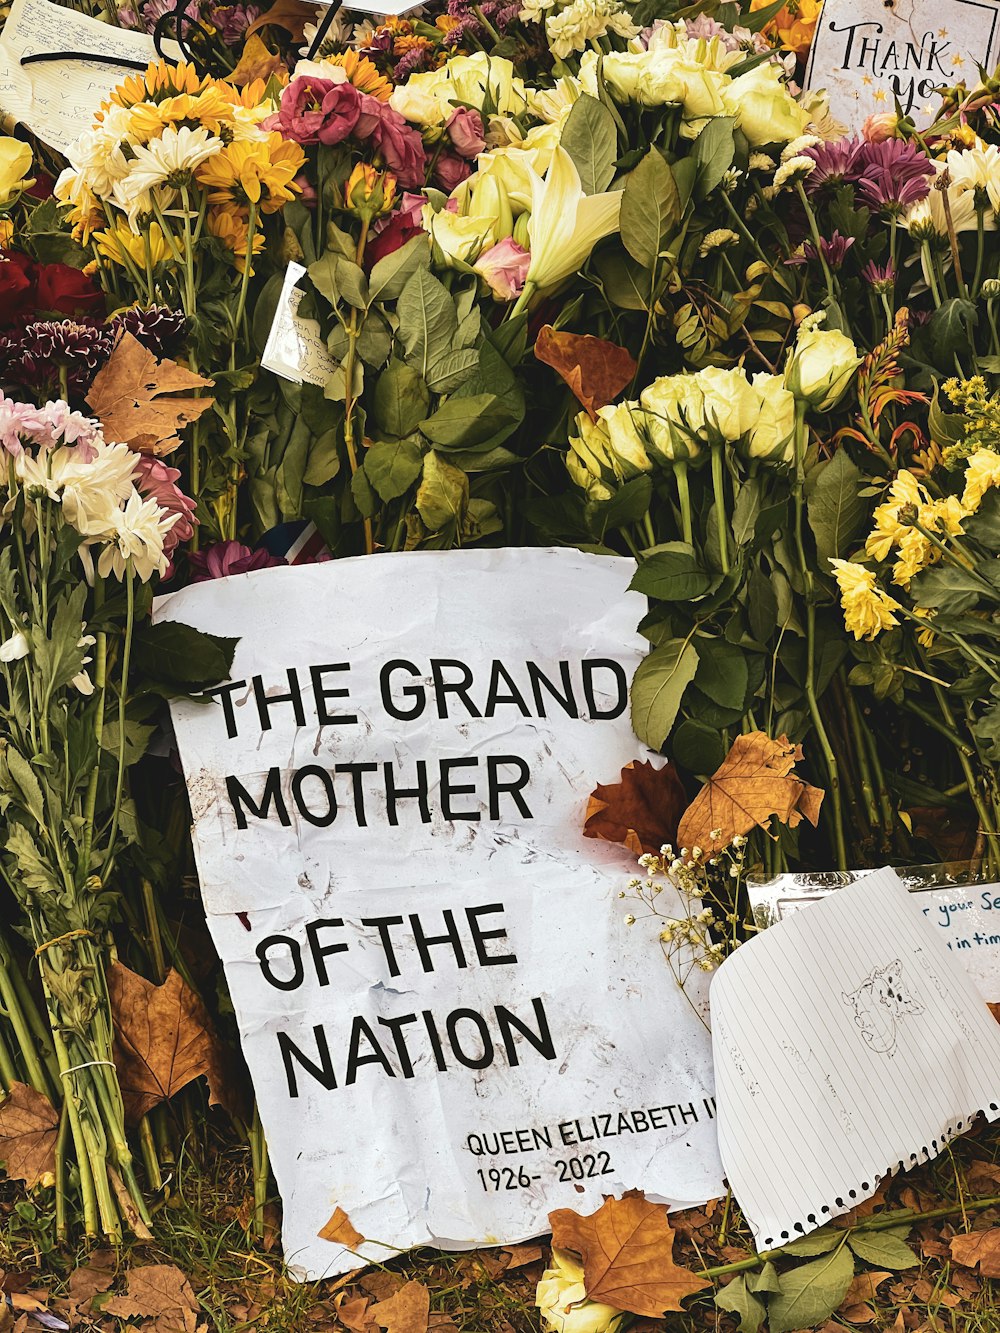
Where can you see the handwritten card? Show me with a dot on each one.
(967, 913)
(295, 349)
(57, 99)
(869, 54)
(849, 1026)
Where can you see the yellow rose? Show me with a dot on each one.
(821, 366)
(562, 1299)
(460, 239)
(674, 417)
(15, 163)
(766, 111)
(604, 454)
(772, 435)
(731, 406)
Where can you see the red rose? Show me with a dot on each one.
(64, 290)
(17, 286)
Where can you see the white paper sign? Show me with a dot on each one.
(295, 349)
(57, 99)
(450, 1027)
(868, 54)
(852, 1032)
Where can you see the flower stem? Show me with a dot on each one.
(684, 498)
(719, 492)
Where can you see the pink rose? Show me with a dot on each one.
(450, 170)
(465, 130)
(504, 266)
(883, 125)
(397, 141)
(317, 111)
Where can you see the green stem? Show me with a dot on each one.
(684, 499)
(861, 754)
(100, 681)
(122, 704)
(15, 1015)
(719, 493)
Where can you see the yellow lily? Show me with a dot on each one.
(565, 223)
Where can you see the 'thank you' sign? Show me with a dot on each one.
(871, 54)
(450, 1027)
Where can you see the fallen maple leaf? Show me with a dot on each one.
(978, 1249)
(29, 1127)
(163, 1041)
(131, 396)
(292, 15)
(753, 782)
(340, 1231)
(627, 1249)
(160, 1292)
(408, 1311)
(256, 62)
(597, 371)
(641, 810)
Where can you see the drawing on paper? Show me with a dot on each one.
(879, 1003)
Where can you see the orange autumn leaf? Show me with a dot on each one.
(29, 1127)
(408, 1311)
(597, 371)
(135, 397)
(753, 782)
(341, 1231)
(161, 1292)
(256, 62)
(627, 1248)
(979, 1249)
(292, 15)
(640, 811)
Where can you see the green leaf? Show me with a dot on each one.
(400, 400)
(391, 274)
(27, 786)
(339, 279)
(591, 139)
(394, 465)
(945, 427)
(443, 495)
(324, 459)
(883, 1249)
(835, 507)
(650, 209)
(766, 1280)
(984, 524)
(179, 653)
(714, 150)
(428, 321)
(810, 1293)
(739, 1300)
(817, 1242)
(949, 587)
(463, 422)
(672, 575)
(658, 687)
(950, 328)
(33, 870)
(723, 672)
(59, 657)
(758, 19)
(363, 494)
(697, 747)
(137, 738)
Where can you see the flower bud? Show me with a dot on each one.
(821, 366)
(369, 193)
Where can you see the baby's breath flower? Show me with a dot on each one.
(630, 920)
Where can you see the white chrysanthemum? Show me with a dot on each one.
(171, 159)
(795, 169)
(717, 240)
(71, 188)
(977, 168)
(927, 221)
(98, 158)
(138, 536)
(554, 104)
(761, 162)
(584, 21)
(799, 145)
(90, 492)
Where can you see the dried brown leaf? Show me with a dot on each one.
(627, 1250)
(159, 1292)
(978, 1249)
(256, 62)
(753, 782)
(131, 394)
(292, 15)
(408, 1311)
(163, 1041)
(29, 1127)
(340, 1231)
(519, 1256)
(597, 371)
(640, 810)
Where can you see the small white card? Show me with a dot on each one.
(869, 54)
(295, 349)
(850, 1028)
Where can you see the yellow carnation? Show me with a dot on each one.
(867, 609)
(982, 472)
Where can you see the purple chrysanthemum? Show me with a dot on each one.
(880, 277)
(33, 358)
(834, 251)
(232, 21)
(159, 328)
(229, 558)
(894, 175)
(837, 163)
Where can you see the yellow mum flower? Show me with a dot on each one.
(231, 228)
(867, 609)
(925, 637)
(914, 554)
(121, 242)
(982, 472)
(362, 73)
(259, 172)
(161, 80)
(209, 108)
(6, 231)
(889, 532)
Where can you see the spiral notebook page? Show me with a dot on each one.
(848, 1043)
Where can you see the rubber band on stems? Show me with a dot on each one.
(88, 1064)
(63, 939)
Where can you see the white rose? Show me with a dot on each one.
(821, 366)
(772, 435)
(765, 109)
(562, 1300)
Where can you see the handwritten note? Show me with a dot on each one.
(967, 914)
(57, 99)
(869, 54)
(869, 1045)
(295, 349)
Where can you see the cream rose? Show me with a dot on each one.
(765, 109)
(821, 366)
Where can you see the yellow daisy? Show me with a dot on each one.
(161, 80)
(362, 73)
(231, 228)
(115, 244)
(867, 609)
(259, 172)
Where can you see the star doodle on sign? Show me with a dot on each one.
(879, 96)
(942, 33)
(957, 60)
(867, 80)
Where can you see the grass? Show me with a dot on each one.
(240, 1285)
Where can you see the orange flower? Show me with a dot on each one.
(231, 226)
(794, 25)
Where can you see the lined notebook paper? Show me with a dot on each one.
(848, 1043)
